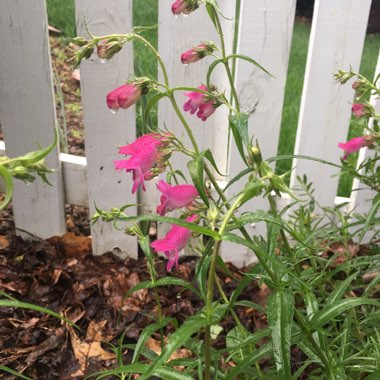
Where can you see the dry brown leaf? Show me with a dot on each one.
(83, 351)
(72, 245)
(4, 242)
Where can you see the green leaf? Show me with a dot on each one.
(145, 334)
(150, 104)
(208, 154)
(238, 140)
(340, 289)
(4, 173)
(250, 60)
(14, 373)
(280, 309)
(23, 305)
(371, 215)
(189, 327)
(179, 222)
(260, 353)
(163, 372)
(237, 177)
(165, 281)
(196, 169)
(240, 122)
(328, 313)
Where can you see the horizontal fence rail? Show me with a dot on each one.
(336, 41)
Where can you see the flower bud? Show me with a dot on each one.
(79, 41)
(107, 49)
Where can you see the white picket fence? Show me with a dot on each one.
(28, 117)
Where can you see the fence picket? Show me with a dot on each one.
(336, 41)
(184, 33)
(28, 112)
(267, 40)
(105, 131)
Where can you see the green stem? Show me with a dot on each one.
(219, 30)
(184, 122)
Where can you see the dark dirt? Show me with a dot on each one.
(61, 274)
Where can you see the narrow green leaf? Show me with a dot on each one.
(340, 289)
(179, 222)
(280, 309)
(8, 187)
(150, 104)
(196, 170)
(189, 327)
(240, 122)
(328, 313)
(24, 305)
(14, 373)
(371, 215)
(250, 60)
(250, 360)
(164, 281)
(208, 154)
(145, 334)
(238, 140)
(164, 372)
(237, 177)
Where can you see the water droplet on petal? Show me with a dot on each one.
(114, 110)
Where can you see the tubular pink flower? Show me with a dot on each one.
(205, 105)
(174, 197)
(354, 145)
(358, 109)
(145, 155)
(184, 6)
(196, 53)
(124, 96)
(174, 241)
(206, 110)
(195, 100)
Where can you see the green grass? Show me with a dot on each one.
(61, 15)
(145, 13)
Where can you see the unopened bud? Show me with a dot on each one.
(107, 49)
(79, 41)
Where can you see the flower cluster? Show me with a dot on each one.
(149, 154)
(174, 241)
(204, 104)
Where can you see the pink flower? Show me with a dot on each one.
(174, 241)
(197, 53)
(354, 145)
(200, 102)
(358, 109)
(124, 96)
(174, 197)
(106, 49)
(206, 110)
(147, 158)
(184, 6)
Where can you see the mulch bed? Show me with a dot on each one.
(61, 274)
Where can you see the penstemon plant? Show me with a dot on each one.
(313, 309)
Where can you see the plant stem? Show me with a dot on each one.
(225, 62)
(184, 122)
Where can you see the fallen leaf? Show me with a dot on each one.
(4, 242)
(72, 245)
